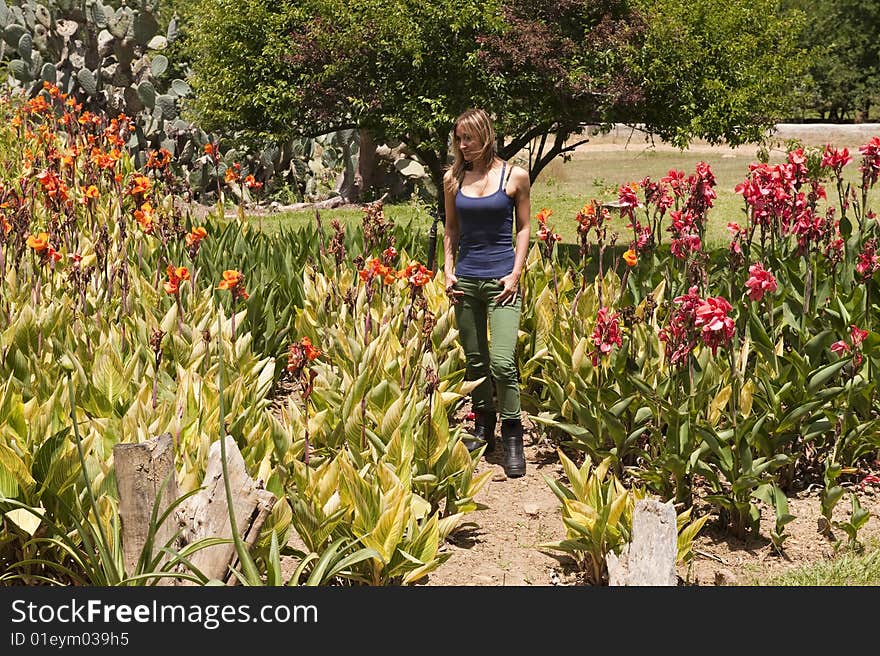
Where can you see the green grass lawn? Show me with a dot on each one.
(565, 187)
(846, 569)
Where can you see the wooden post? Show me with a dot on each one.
(206, 513)
(143, 471)
(650, 558)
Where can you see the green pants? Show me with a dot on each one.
(489, 353)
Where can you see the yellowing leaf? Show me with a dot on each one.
(746, 395)
(719, 403)
(26, 520)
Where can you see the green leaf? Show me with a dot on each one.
(820, 377)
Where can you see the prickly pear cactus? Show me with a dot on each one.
(108, 58)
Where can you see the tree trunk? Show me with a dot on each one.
(366, 169)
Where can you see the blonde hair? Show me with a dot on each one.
(476, 123)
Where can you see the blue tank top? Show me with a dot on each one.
(485, 241)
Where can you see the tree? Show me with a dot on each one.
(546, 69)
(844, 73)
(720, 71)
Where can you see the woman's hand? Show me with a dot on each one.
(451, 291)
(511, 288)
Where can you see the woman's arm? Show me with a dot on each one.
(523, 204)
(450, 244)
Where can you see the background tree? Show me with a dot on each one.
(720, 71)
(843, 80)
(546, 69)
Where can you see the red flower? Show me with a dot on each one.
(680, 333)
(606, 334)
(627, 196)
(760, 281)
(836, 159)
(840, 347)
(717, 328)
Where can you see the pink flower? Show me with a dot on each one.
(717, 327)
(840, 347)
(760, 282)
(606, 334)
(868, 262)
(857, 336)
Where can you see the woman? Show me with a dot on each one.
(482, 268)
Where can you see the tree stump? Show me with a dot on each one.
(206, 513)
(143, 472)
(649, 560)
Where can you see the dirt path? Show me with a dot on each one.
(501, 546)
(520, 514)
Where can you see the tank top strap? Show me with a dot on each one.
(502, 181)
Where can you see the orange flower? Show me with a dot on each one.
(231, 278)
(158, 159)
(139, 184)
(39, 242)
(175, 277)
(543, 215)
(210, 149)
(5, 224)
(416, 274)
(144, 217)
(231, 176)
(251, 183)
(630, 257)
(197, 235)
(312, 353)
(234, 282)
(90, 193)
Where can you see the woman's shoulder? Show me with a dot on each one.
(518, 175)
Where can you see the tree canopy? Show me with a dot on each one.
(843, 80)
(545, 69)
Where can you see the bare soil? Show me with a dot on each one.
(502, 547)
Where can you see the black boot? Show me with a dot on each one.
(483, 433)
(514, 461)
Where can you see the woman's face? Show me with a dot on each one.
(468, 144)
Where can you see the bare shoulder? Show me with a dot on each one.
(519, 179)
